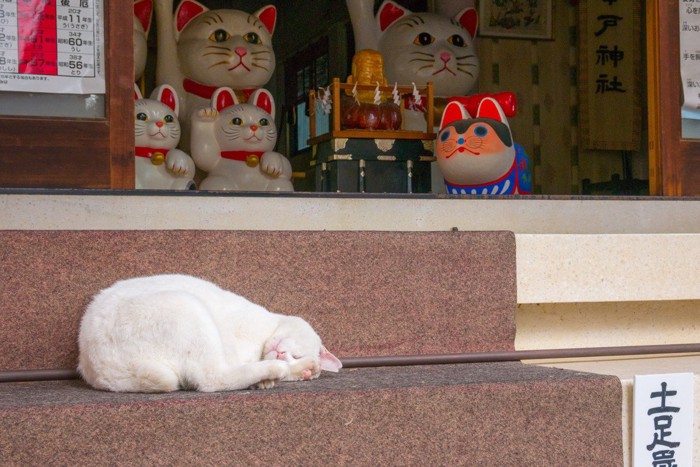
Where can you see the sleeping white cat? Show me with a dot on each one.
(234, 143)
(169, 332)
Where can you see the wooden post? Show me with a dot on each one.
(312, 114)
(336, 104)
(430, 118)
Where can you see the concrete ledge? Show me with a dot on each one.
(608, 267)
(144, 210)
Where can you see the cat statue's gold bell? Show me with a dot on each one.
(252, 160)
(157, 158)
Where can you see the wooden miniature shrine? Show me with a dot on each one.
(372, 160)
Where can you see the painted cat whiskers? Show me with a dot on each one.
(170, 332)
(432, 61)
(423, 47)
(226, 48)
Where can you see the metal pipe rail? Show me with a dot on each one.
(406, 360)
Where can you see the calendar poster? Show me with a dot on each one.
(52, 46)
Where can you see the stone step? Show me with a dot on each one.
(366, 293)
(468, 414)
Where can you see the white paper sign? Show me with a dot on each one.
(54, 46)
(663, 420)
(690, 57)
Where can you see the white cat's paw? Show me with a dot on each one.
(304, 369)
(179, 163)
(277, 370)
(272, 164)
(267, 384)
(206, 114)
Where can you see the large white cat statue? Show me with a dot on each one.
(159, 164)
(234, 143)
(200, 50)
(428, 47)
(170, 332)
(143, 13)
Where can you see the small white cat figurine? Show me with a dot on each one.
(169, 332)
(234, 143)
(159, 164)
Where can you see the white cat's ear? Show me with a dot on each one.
(329, 362)
(268, 16)
(143, 11)
(263, 99)
(137, 92)
(186, 11)
(469, 19)
(453, 112)
(389, 12)
(168, 96)
(490, 108)
(222, 98)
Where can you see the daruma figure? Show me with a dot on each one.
(477, 155)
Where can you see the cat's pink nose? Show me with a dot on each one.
(241, 51)
(159, 124)
(254, 127)
(445, 57)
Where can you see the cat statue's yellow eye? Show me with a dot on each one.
(457, 40)
(237, 121)
(264, 122)
(220, 35)
(141, 116)
(252, 38)
(169, 119)
(424, 38)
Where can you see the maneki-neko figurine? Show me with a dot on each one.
(159, 164)
(234, 143)
(477, 155)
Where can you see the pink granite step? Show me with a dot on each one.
(500, 414)
(367, 293)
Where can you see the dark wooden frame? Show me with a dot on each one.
(674, 162)
(50, 152)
